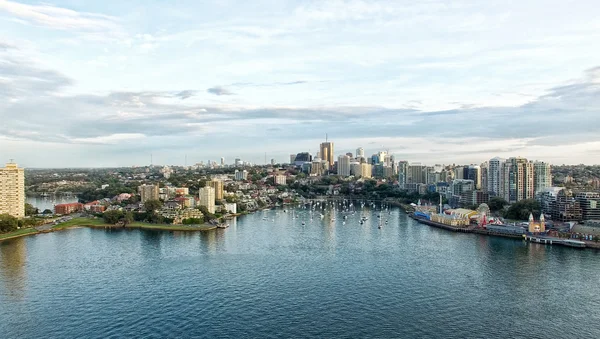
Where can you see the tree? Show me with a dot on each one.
(127, 218)
(497, 204)
(30, 210)
(47, 211)
(152, 205)
(521, 209)
(112, 217)
(8, 223)
(207, 215)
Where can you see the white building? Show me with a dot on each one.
(542, 176)
(241, 175)
(360, 152)
(343, 165)
(230, 207)
(280, 179)
(494, 176)
(207, 198)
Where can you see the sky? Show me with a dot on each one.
(110, 83)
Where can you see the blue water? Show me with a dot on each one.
(267, 279)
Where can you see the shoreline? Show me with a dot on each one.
(81, 224)
(471, 229)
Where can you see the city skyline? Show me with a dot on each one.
(90, 85)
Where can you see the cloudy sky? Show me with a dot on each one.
(108, 83)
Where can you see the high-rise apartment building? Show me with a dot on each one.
(148, 192)
(279, 179)
(518, 180)
(402, 173)
(494, 176)
(542, 174)
(366, 170)
(343, 165)
(417, 174)
(241, 175)
(326, 152)
(474, 173)
(217, 185)
(207, 198)
(12, 190)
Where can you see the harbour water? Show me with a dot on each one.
(268, 276)
(42, 203)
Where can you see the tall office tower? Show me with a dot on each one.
(402, 173)
(349, 154)
(484, 176)
(222, 161)
(207, 198)
(272, 162)
(148, 192)
(474, 173)
(417, 173)
(542, 176)
(217, 185)
(518, 179)
(360, 152)
(292, 158)
(238, 162)
(494, 176)
(12, 190)
(394, 165)
(343, 165)
(326, 152)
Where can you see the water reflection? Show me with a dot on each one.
(208, 242)
(13, 258)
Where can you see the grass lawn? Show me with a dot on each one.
(23, 231)
(80, 222)
(99, 222)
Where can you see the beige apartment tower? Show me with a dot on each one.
(12, 190)
(148, 192)
(207, 198)
(218, 186)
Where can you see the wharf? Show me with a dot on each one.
(442, 226)
(556, 241)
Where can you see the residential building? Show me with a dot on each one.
(355, 168)
(417, 174)
(238, 162)
(542, 176)
(207, 198)
(64, 209)
(230, 207)
(474, 198)
(148, 192)
(241, 175)
(590, 205)
(218, 187)
(365, 170)
(474, 173)
(12, 190)
(402, 173)
(343, 166)
(518, 180)
(316, 167)
(494, 176)
(280, 179)
(566, 207)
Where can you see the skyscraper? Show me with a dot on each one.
(343, 165)
(207, 198)
(474, 173)
(326, 152)
(518, 180)
(360, 152)
(12, 190)
(292, 158)
(402, 173)
(542, 176)
(494, 175)
(417, 173)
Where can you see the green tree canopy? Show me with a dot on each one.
(30, 210)
(8, 223)
(497, 204)
(153, 205)
(521, 209)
